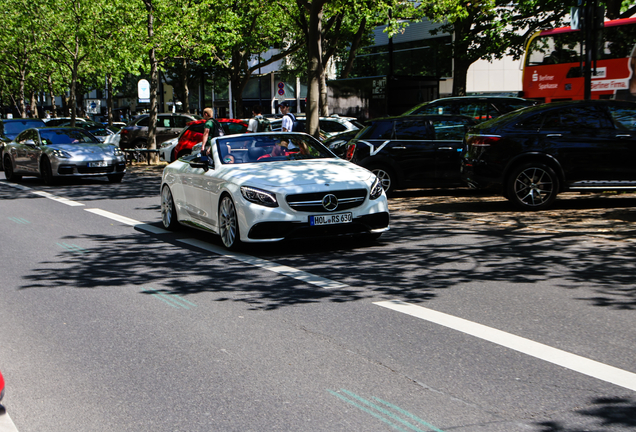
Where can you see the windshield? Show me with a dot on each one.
(13, 128)
(66, 136)
(269, 148)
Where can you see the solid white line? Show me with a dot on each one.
(46, 195)
(276, 268)
(556, 356)
(6, 424)
(128, 221)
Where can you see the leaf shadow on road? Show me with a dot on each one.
(415, 261)
(605, 412)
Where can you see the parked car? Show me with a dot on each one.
(52, 153)
(337, 142)
(272, 186)
(100, 131)
(411, 151)
(10, 128)
(193, 135)
(166, 149)
(58, 121)
(333, 125)
(481, 108)
(135, 134)
(533, 154)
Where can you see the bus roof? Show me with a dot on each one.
(610, 23)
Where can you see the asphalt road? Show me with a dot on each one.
(466, 316)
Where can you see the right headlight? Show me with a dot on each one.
(376, 189)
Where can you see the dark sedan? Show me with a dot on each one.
(533, 154)
(411, 151)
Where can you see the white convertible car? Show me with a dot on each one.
(261, 187)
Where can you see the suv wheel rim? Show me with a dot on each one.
(384, 177)
(533, 186)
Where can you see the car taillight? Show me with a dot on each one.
(124, 132)
(351, 148)
(482, 140)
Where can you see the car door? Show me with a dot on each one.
(583, 139)
(166, 128)
(413, 149)
(449, 140)
(624, 118)
(28, 151)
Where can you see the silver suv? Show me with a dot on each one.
(135, 133)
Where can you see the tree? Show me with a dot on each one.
(489, 30)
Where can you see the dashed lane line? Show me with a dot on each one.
(538, 350)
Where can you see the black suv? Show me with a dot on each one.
(533, 154)
(481, 108)
(411, 151)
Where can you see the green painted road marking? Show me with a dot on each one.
(72, 247)
(19, 220)
(377, 411)
(172, 300)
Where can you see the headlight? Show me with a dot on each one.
(166, 144)
(60, 154)
(376, 190)
(118, 151)
(259, 196)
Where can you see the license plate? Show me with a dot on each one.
(98, 164)
(331, 219)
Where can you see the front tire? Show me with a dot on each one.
(9, 174)
(168, 210)
(228, 224)
(46, 172)
(533, 186)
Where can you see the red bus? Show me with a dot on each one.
(552, 68)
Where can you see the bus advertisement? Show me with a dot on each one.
(552, 69)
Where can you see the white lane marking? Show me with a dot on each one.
(128, 221)
(556, 356)
(276, 268)
(6, 424)
(46, 195)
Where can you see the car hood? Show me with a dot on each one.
(81, 149)
(300, 172)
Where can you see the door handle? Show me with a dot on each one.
(553, 135)
(623, 136)
(445, 148)
(398, 148)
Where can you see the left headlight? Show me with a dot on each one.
(60, 154)
(259, 196)
(376, 189)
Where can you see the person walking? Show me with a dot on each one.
(289, 119)
(211, 129)
(258, 123)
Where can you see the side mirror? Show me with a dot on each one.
(200, 164)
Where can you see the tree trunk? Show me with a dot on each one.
(109, 98)
(49, 81)
(154, 84)
(22, 106)
(324, 96)
(314, 70)
(186, 89)
(459, 77)
(34, 105)
(72, 97)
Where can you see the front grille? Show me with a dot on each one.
(312, 202)
(65, 169)
(95, 170)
